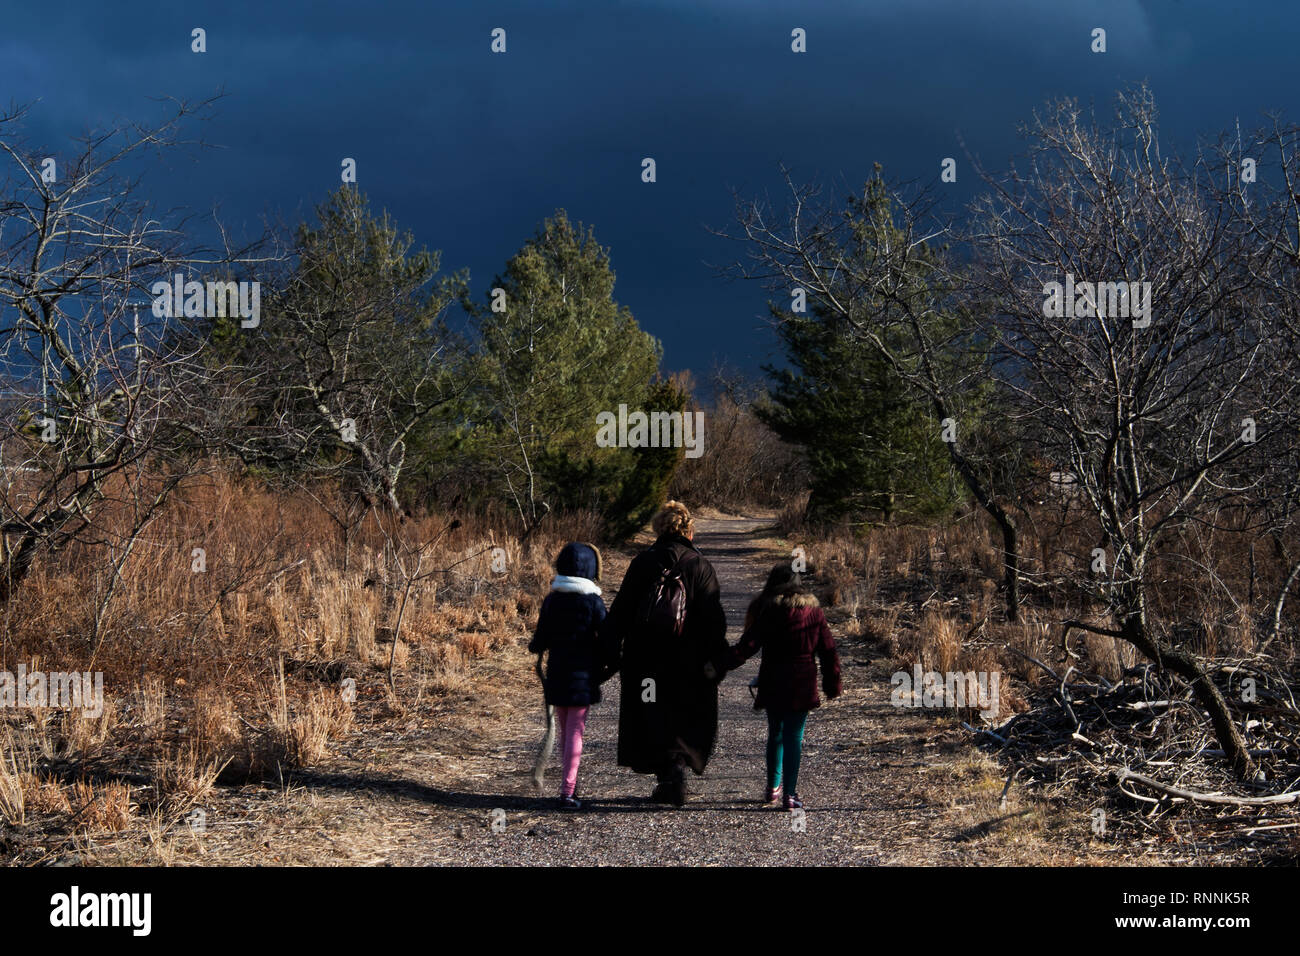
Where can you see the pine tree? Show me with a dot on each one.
(871, 441)
(353, 364)
(557, 349)
(870, 445)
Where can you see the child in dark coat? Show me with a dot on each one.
(567, 629)
(786, 623)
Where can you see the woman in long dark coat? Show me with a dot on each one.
(668, 709)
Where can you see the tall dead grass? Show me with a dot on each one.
(243, 635)
(931, 595)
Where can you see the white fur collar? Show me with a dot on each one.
(572, 585)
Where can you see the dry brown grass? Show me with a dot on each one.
(214, 729)
(153, 706)
(185, 776)
(45, 794)
(13, 802)
(231, 668)
(104, 807)
(913, 588)
(303, 737)
(932, 596)
(85, 736)
(277, 577)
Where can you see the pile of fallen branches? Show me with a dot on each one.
(1146, 742)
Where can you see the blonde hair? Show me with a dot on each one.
(673, 518)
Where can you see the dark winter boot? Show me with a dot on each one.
(662, 793)
(678, 792)
(664, 786)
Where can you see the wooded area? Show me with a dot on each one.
(1052, 435)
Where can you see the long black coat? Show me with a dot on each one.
(685, 698)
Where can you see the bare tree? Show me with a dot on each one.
(1130, 340)
(98, 394)
(1260, 182)
(747, 464)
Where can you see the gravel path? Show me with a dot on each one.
(724, 821)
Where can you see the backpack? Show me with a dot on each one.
(663, 610)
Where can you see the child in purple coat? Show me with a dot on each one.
(786, 623)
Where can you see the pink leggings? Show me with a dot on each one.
(571, 721)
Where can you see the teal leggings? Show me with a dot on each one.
(784, 740)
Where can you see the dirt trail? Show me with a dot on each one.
(866, 799)
(882, 786)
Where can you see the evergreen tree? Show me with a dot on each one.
(353, 365)
(556, 350)
(869, 444)
(871, 441)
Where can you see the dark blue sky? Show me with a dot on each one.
(471, 150)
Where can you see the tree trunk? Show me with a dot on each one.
(1010, 563)
(1276, 627)
(1006, 524)
(1186, 666)
(18, 562)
